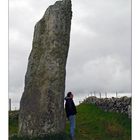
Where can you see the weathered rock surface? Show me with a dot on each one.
(42, 102)
(121, 105)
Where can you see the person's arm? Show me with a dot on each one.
(74, 108)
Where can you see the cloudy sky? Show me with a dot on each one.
(100, 46)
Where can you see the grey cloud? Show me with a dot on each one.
(100, 46)
(110, 24)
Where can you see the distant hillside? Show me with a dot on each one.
(92, 123)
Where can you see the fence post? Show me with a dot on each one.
(91, 93)
(10, 104)
(106, 94)
(100, 94)
(116, 95)
(94, 93)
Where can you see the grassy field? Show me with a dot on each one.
(95, 124)
(92, 123)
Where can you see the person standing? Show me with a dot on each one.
(70, 109)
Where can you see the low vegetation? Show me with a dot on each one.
(92, 123)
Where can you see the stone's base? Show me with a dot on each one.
(121, 105)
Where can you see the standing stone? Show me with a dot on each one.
(42, 102)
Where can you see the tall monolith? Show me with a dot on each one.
(42, 102)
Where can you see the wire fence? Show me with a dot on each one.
(108, 95)
(79, 99)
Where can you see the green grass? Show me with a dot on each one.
(13, 122)
(92, 123)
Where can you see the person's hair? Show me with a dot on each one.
(68, 94)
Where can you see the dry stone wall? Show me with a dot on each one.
(121, 105)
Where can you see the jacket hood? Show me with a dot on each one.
(67, 98)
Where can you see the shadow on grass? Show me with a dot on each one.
(48, 137)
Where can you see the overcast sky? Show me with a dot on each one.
(99, 56)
